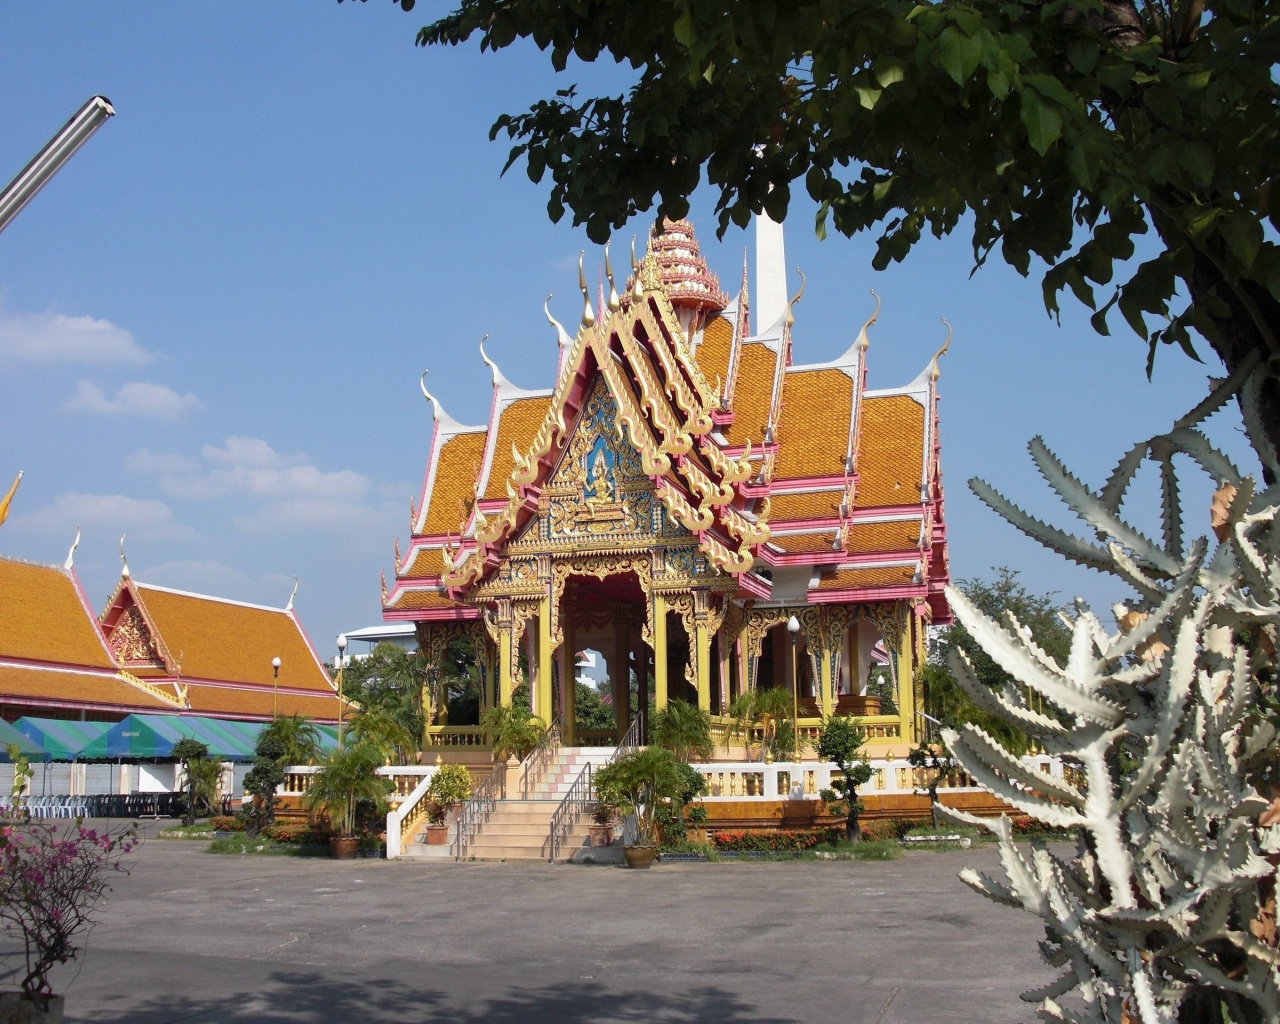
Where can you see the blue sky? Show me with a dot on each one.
(212, 321)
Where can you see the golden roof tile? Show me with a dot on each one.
(260, 702)
(69, 686)
(815, 505)
(428, 563)
(805, 543)
(456, 472)
(44, 618)
(877, 538)
(845, 579)
(753, 394)
(890, 451)
(713, 353)
(813, 432)
(518, 424)
(421, 600)
(226, 641)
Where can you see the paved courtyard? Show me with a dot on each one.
(223, 940)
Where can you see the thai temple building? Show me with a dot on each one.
(684, 487)
(151, 651)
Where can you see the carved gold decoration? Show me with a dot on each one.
(131, 640)
(598, 566)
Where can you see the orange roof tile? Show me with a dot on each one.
(713, 353)
(875, 538)
(753, 394)
(799, 543)
(213, 639)
(418, 600)
(844, 579)
(519, 423)
(815, 505)
(813, 429)
(260, 701)
(44, 618)
(72, 687)
(427, 562)
(890, 452)
(457, 470)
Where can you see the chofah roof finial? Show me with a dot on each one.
(933, 365)
(498, 378)
(71, 555)
(123, 561)
(864, 340)
(588, 314)
(615, 303)
(292, 594)
(637, 288)
(562, 336)
(791, 317)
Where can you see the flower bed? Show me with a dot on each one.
(779, 841)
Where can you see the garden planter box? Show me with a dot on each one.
(16, 1008)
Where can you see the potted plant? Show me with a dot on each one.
(347, 776)
(637, 783)
(437, 827)
(695, 820)
(450, 786)
(51, 886)
(603, 816)
(513, 732)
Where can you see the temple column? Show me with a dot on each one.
(725, 650)
(620, 670)
(640, 654)
(700, 650)
(905, 658)
(659, 652)
(569, 684)
(826, 682)
(506, 654)
(545, 655)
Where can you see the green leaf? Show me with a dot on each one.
(1044, 124)
(686, 35)
(888, 74)
(1084, 165)
(1083, 55)
(867, 97)
(1243, 235)
(1197, 160)
(1162, 102)
(959, 54)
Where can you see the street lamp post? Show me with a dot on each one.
(275, 687)
(342, 648)
(793, 631)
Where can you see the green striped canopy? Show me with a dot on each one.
(27, 747)
(154, 736)
(60, 739)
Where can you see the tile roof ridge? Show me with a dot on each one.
(209, 597)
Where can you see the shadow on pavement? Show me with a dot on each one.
(295, 997)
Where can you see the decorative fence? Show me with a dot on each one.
(404, 777)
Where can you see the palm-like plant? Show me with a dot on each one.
(346, 777)
(383, 731)
(684, 729)
(512, 731)
(298, 736)
(766, 710)
(637, 782)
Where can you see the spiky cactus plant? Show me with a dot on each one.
(1164, 911)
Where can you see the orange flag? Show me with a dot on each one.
(4, 502)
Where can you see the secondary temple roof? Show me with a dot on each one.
(790, 476)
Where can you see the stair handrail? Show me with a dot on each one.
(475, 812)
(571, 808)
(629, 742)
(540, 756)
(405, 817)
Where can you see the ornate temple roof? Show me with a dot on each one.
(766, 461)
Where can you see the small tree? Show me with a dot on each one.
(202, 774)
(637, 782)
(937, 761)
(22, 775)
(841, 743)
(766, 710)
(263, 779)
(684, 729)
(513, 732)
(348, 776)
(298, 736)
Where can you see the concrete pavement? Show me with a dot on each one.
(207, 939)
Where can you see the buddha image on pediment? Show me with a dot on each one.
(600, 488)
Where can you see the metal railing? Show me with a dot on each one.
(475, 812)
(629, 742)
(571, 808)
(541, 755)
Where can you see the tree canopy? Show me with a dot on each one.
(1063, 130)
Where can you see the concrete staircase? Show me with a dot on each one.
(518, 827)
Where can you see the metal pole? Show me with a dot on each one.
(56, 152)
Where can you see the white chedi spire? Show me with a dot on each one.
(771, 274)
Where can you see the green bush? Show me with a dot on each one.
(882, 830)
(451, 784)
(227, 823)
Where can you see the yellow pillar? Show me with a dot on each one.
(725, 651)
(506, 663)
(826, 680)
(702, 669)
(569, 701)
(544, 661)
(659, 652)
(906, 685)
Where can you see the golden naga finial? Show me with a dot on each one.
(637, 289)
(562, 336)
(396, 551)
(294, 593)
(791, 317)
(413, 515)
(588, 314)
(383, 574)
(863, 340)
(123, 561)
(71, 555)
(615, 303)
(8, 498)
(933, 366)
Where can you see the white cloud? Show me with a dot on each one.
(134, 399)
(248, 465)
(313, 515)
(110, 514)
(55, 337)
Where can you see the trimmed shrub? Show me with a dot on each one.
(885, 830)
(779, 841)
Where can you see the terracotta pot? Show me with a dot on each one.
(601, 835)
(640, 856)
(343, 847)
(16, 1008)
(437, 835)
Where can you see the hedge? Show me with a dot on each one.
(780, 841)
